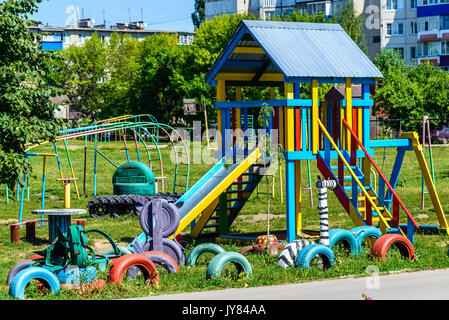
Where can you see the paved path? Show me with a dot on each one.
(422, 285)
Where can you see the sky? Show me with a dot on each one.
(173, 15)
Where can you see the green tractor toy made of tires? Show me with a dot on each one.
(131, 181)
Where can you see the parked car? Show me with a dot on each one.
(441, 135)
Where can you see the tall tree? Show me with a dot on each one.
(157, 92)
(411, 92)
(122, 64)
(85, 74)
(199, 14)
(352, 24)
(26, 114)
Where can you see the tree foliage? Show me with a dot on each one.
(84, 74)
(26, 114)
(411, 91)
(155, 75)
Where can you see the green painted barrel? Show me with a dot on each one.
(134, 178)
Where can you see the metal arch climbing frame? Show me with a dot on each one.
(178, 160)
(94, 130)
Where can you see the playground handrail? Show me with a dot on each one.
(354, 176)
(395, 195)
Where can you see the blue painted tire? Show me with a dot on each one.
(306, 255)
(345, 237)
(21, 280)
(203, 248)
(363, 232)
(76, 275)
(216, 265)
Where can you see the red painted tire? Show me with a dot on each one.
(384, 242)
(121, 265)
(162, 259)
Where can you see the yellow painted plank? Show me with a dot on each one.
(315, 131)
(205, 216)
(238, 113)
(221, 96)
(250, 50)
(218, 190)
(348, 112)
(417, 147)
(289, 118)
(233, 76)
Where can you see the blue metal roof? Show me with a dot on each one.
(300, 51)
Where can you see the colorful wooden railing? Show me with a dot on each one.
(396, 200)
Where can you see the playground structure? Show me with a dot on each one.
(143, 133)
(334, 133)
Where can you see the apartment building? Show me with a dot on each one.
(433, 32)
(58, 38)
(388, 23)
(399, 27)
(265, 8)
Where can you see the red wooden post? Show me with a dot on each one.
(395, 221)
(15, 234)
(30, 230)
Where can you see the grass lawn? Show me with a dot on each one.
(431, 249)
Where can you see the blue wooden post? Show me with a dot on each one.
(223, 128)
(395, 175)
(245, 131)
(330, 125)
(304, 128)
(410, 231)
(290, 186)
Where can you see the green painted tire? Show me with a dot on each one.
(203, 248)
(111, 253)
(306, 255)
(363, 232)
(216, 265)
(345, 237)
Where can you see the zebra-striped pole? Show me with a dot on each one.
(322, 186)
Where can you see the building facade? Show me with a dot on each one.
(433, 32)
(390, 24)
(58, 38)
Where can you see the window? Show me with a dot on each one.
(53, 37)
(82, 38)
(412, 52)
(400, 51)
(413, 4)
(395, 4)
(66, 38)
(395, 29)
(413, 28)
(428, 49)
(313, 8)
(268, 15)
(429, 23)
(444, 47)
(376, 39)
(444, 25)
